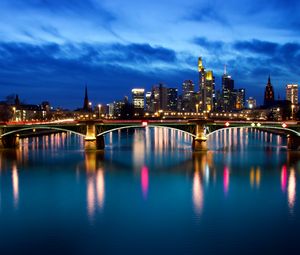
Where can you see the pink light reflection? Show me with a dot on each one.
(145, 181)
(284, 178)
(226, 179)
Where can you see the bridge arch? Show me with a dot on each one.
(287, 130)
(40, 127)
(152, 126)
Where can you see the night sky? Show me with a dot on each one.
(50, 49)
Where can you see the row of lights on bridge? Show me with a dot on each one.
(284, 125)
(227, 124)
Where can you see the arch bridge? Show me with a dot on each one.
(93, 131)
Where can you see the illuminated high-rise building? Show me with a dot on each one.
(292, 96)
(240, 99)
(269, 94)
(148, 106)
(292, 93)
(206, 87)
(172, 99)
(187, 96)
(138, 101)
(159, 98)
(251, 103)
(228, 97)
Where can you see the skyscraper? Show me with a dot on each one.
(138, 101)
(187, 96)
(149, 102)
(292, 93)
(209, 99)
(206, 87)
(269, 94)
(172, 99)
(228, 102)
(251, 103)
(292, 96)
(240, 99)
(159, 98)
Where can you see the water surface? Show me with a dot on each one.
(148, 193)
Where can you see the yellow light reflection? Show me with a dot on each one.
(292, 189)
(258, 177)
(252, 173)
(100, 188)
(138, 148)
(255, 177)
(90, 161)
(95, 192)
(197, 193)
(15, 182)
(90, 197)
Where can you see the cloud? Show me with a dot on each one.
(257, 47)
(286, 55)
(55, 71)
(207, 13)
(208, 44)
(51, 30)
(67, 7)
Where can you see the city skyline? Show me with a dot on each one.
(50, 50)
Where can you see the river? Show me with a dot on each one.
(148, 193)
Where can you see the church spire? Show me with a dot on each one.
(269, 94)
(86, 100)
(17, 101)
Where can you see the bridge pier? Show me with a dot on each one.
(91, 141)
(293, 143)
(199, 142)
(9, 141)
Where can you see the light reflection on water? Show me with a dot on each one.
(150, 179)
(15, 182)
(292, 189)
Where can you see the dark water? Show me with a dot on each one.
(150, 194)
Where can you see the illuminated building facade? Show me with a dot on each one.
(251, 103)
(138, 101)
(292, 96)
(240, 99)
(228, 97)
(148, 106)
(206, 87)
(187, 103)
(172, 99)
(159, 98)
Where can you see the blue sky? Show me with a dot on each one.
(50, 49)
